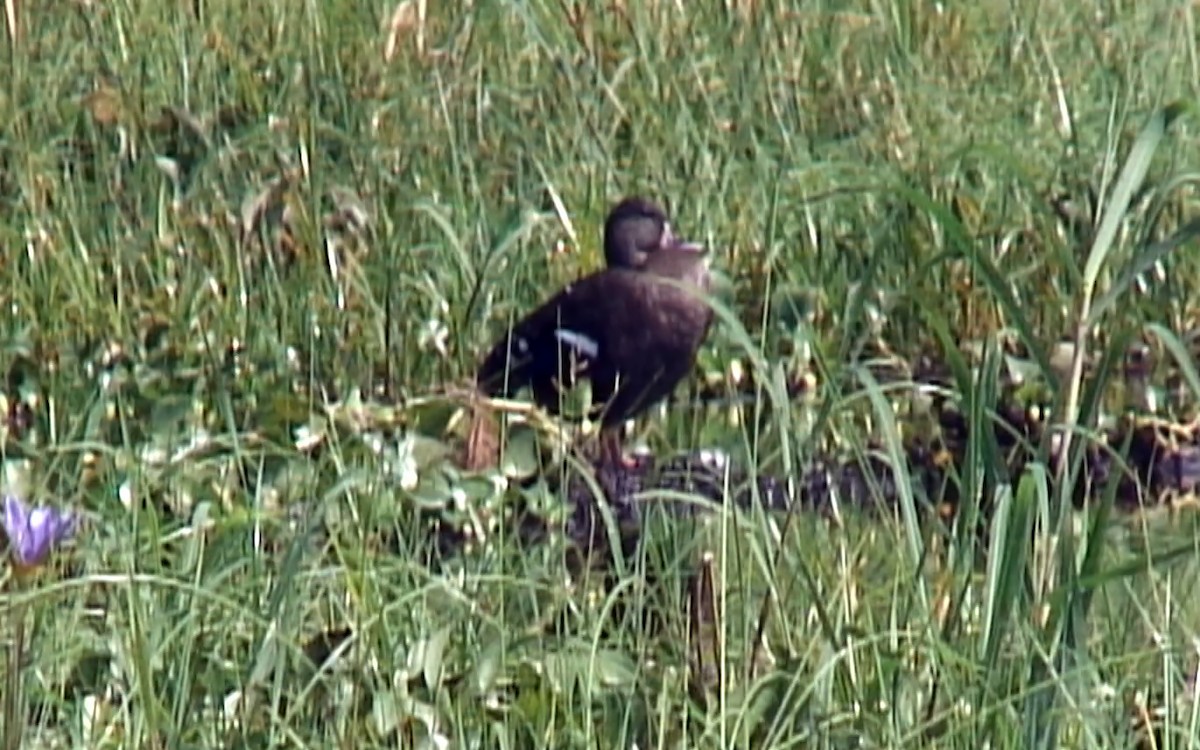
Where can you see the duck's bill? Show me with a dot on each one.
(691, 247)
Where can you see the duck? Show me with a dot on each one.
(632, 329)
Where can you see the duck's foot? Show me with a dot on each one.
(611, 453)
(629, 463)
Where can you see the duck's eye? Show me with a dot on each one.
(645, 233)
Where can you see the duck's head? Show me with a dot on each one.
(635, 228)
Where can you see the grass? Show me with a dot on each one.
(249, 247)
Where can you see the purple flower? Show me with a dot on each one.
(33, 533)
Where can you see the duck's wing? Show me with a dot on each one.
(556, 344)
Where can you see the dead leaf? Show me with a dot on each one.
(104, 105)
(704, 627)
(350, 214)
(179, 119)
(12, 14)
(266, 205)
(406, 17)
(483, 444)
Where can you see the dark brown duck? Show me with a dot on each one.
(631, 329)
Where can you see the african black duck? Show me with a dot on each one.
(632, 329)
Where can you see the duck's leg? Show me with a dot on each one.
(610, 449)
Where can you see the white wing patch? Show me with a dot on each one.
(581, 343)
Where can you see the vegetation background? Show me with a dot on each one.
(250, 250)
